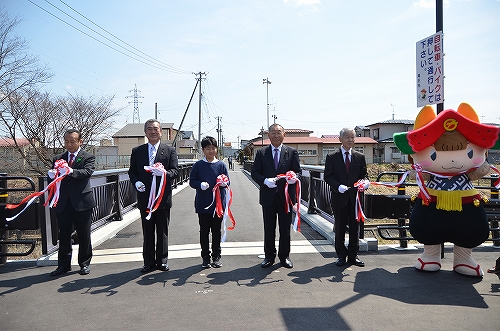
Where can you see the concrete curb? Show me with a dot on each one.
(102, 234)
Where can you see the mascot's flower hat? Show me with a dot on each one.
(429, 127)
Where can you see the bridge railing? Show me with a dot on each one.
(316, 195)
(114, 195)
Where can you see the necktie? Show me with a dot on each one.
(71, 157)
(347, 161)
(152, 155)
(276, 158)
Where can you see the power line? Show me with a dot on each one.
(152, 58)
(154, 65)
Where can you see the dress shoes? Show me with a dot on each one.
(163, 267)
(85, 270)
(217, 262)
(59, 271)
(148, 268)
(287, 263)
(340, 262)
(267, 263)
(494, 270)
(357, 262)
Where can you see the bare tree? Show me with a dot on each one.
(19, 71)
(40, 117)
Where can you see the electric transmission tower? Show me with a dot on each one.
(136, 118)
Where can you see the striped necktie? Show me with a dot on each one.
(152, 155)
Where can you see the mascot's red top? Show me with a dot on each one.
(429, 127)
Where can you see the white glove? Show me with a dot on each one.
(156, 172)
(52, 173)
(204, 186)
(140, 186)
(342, 188)
(270, 182)
(64, 171)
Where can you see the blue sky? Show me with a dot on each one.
(331, 64)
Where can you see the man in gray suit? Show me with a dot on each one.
(147, 155)
(270, 161)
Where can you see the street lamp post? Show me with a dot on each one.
(262, 135)
(266, 81)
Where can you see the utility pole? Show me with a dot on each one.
(199, 74)
(136, 118)
(266, 81)
(219, 134)
(156, 111)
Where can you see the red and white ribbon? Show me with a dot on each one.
(62, 170)
(292, 178)
(220, 211)
(155, 198)
(421, 182)
(497, 182)
(358, 209)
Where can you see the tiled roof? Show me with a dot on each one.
(291, 131)
(406, 122)
(314, 140)
(9, 142)
(137, 130)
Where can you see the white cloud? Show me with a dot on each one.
(305, 2)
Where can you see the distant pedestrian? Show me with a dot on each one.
(203, 178)
(230, 161)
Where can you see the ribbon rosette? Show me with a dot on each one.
(358, 209)
(155, 198)
(220, 211)
(292, 178)
(62, 170)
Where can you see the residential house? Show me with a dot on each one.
(313, 150)
(10, 158)
(132, 135)
(385, 151)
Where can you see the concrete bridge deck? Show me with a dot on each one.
(387, 294)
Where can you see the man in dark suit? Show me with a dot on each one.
(269, 162)
(147, 155)
(342, 169)
(75, 204)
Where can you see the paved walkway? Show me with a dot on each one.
(388, 294)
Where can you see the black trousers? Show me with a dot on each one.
(81, 221)
(345, 216)
(284, 224)
(155, 228)
(209, 223)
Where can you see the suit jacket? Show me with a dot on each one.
(140, 158)
(336, 174)
(263, 167)
(75, 186)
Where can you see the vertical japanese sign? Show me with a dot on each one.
(430, 88)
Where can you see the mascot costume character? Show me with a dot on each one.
(448, 151)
